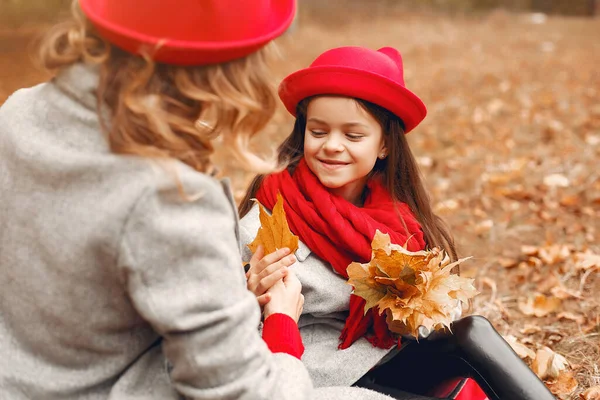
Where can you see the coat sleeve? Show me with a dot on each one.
(181, 266)
(249, 226)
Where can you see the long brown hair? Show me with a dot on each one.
(399, 172)
(169, 112)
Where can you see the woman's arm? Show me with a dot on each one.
(181, 266)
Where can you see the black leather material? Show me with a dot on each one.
(495, 366)
(473, 349)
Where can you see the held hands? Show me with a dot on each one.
(286, 298)
(266, 271)
(275, 286)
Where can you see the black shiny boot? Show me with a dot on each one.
(473, 349)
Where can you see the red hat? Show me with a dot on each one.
(375, 76)
(190, 32)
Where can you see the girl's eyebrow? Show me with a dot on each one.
(346, 125)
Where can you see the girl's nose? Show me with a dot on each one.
(333, 143)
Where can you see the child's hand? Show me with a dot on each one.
(266, 271)
(287, 297)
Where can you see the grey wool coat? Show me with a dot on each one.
(326, 305)
(111, 286)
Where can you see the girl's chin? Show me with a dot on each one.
(332, 185)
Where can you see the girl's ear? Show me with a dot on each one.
(383, 151)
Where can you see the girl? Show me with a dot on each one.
(350, 172)
(120, 265)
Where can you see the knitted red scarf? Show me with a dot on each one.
(339, 232)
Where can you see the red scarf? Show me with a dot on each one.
(339, 232)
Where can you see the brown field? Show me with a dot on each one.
(509, 150)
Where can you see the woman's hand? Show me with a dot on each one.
(266, 271)
(286, 297)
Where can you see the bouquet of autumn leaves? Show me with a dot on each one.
(413, 288)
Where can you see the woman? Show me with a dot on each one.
(121, 276)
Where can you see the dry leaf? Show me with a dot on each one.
(564, 385)
(539, 305)
(556, 180)
(274, 232)
(561, 292)
(530, 329)
(548, 364)
(535, 262)
(554, 253)
(529, 250)
(592, 393)
(413, 288)
(519, 348)
(549, 282)
(585, 261)
(508, 262)
(580, 319)
(570, 201)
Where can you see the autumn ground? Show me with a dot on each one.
(509, 150)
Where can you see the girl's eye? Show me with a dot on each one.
(318, 133)
(354, 137)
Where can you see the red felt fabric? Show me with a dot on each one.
(375, 76)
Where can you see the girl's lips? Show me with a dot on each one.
(332, 165)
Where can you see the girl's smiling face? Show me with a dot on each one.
(341, 144)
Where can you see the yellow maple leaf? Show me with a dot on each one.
(361, 276)
(412, 288)
(274, 232)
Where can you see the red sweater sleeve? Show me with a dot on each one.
(281, 334)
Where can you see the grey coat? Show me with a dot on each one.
(326, 305)
(105, 273)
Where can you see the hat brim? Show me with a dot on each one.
(180, 52)
(350, 82)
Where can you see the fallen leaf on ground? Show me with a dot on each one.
(592, 393)
(554, 253)
(539, 305)
(556, 180)
(519, 348)
(548, 364)
(413, 288)
(585, 261)
(508, 262)
(580, 319)
(529, 250)
(561, 292)
(564, 385)
(530, 329)
(274, 232)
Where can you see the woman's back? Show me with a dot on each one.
(99, 256)
(63, 212)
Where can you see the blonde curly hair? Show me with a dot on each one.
(167, 111)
